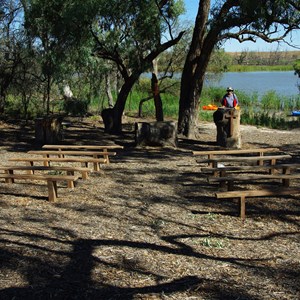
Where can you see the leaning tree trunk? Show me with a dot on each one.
(193, 72)
(112, 117)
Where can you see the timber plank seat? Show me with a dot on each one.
(212, 153)
(60, 153)
(285, 178)
(242, 195)
(103, 148)
(47, 160)
(222, 171)
(50, 179)
(31, 169)
(246, 159)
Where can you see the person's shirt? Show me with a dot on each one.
(230, 100)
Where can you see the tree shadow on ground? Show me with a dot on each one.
(49, 280)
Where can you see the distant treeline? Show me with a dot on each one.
(273, 58)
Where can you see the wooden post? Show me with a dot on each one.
(227, 121)
(230, 118)
(48, 129)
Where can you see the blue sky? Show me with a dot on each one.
(233, 45)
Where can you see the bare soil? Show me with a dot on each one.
(147, 226)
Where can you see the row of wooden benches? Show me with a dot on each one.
(219, 173)
(10, 174)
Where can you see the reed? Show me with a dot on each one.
(258, 68)
(268, 110)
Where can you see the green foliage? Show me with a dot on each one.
(296, 67)
(219, 62)
(270, 101)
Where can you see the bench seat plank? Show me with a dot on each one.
(51, 181)
(46, 160)
(271, 168)
(95, 147)
(247, 159)
(31, 169)
(242, 195)
(236, 151)
(59, 153)
(285, 178)
(66, 152)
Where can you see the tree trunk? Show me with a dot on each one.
(113, 116)
(108, 91)
(193, 73)
(157, 99)
(158, 134)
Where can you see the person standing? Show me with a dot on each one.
(230, 99)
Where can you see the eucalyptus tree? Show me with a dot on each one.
(57, 44)
(10, 45)
(132, 34)
(218, 21)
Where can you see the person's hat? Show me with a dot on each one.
(229, 89)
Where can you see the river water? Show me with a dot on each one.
(283, 83)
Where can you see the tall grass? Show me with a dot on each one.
(269, 109)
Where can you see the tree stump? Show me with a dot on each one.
(158, 134)
(227, 121)
(48, 130)
(107, 115)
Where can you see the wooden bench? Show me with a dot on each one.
(51, 181)
(285, 179)
(212, 153)
(103, 148)
(31, 169)
(246, 159)
(61, 153)
(242, 195)
(222, 171)
(47, 160)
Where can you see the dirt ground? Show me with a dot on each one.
(147, 226)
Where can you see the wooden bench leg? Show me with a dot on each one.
(70, 182)
(52, 190)
(106, 156)
(84, 175)
(243, 207)
(96, 167)
(9, 180)
(46, 163)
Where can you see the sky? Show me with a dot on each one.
(233, 45)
